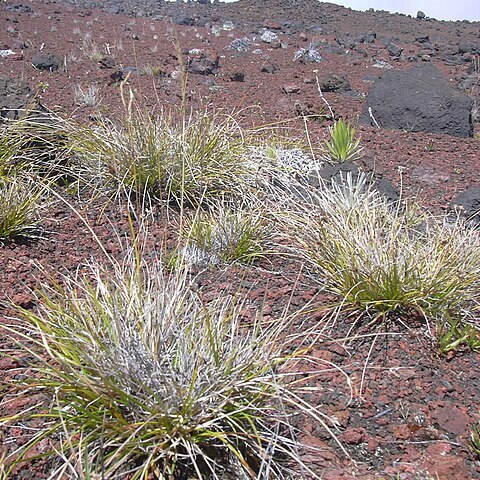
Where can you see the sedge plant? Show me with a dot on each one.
(22, 200)
(146, 380)
(177, 156)
(385, 258)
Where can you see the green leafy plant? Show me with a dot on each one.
(21, 201)
(225, 234)
(146, 379)
(342, 146)
(387, 258)
(452, 334)
(430, 146)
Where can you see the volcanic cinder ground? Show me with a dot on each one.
(411, 416)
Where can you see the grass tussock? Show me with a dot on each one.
(146, 379)
(385, 258)
(35, 142)
(223, 234)
(184, 158)
(22, 200)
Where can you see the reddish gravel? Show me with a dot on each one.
(408, 412)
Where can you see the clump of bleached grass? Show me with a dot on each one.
(146, 379)
(386, 258)
(225, 233)
(184, 158)
(281, 160)
(88, 97)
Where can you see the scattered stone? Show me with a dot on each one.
(269, 66)
(268, 36)
(272, 25)
(422, 40)
(468, 204)
(353, 436)
(394, 50)
(47, 61)
(347, 43)
(331, 173)
(420, 99)
(16, 96)
(420, 15)
(120, 75)
(184, 19)
(19, 8)
(237, 77)
(472, 48)
(386, 188)
(335, 83)
(451, 419)
(204, 64)
(289, 89)
(400, 431)
(107, 62)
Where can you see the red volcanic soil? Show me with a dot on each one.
(412, 410)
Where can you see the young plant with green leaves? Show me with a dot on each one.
(341, 146)
(148, 381)
(385, 258)
(454, 333)
(475, 439)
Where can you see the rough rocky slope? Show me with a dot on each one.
(413, 416)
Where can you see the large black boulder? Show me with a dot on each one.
(420, 100)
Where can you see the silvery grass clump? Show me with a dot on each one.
(22, 200)
(225, 233)
(386, 258)
(146, 379)
(182, 158)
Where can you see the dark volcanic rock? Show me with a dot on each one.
(15, 97)
(335, 83)
(420, 100)
(204, 64)
(46, 61)
(19, 8)
(468, 203)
